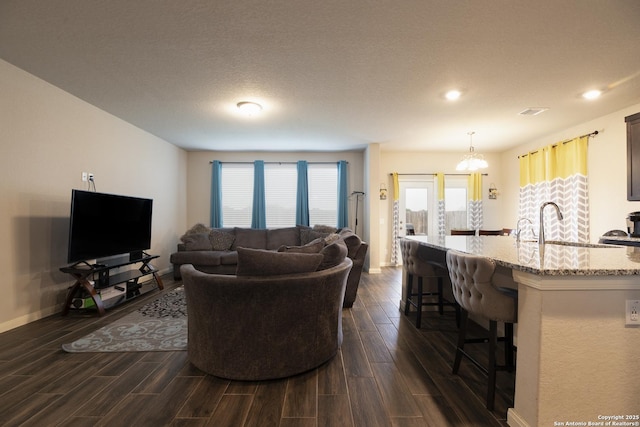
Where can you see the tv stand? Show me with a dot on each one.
(93, 279)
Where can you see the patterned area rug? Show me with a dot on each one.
(160, 325)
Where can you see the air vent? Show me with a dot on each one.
(532, 111)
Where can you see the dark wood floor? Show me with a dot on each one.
(387, 373)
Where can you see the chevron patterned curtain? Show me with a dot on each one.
(441, 212)
(475, 201)
(557, 173)
(395, 232)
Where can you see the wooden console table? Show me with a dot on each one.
(93, 277)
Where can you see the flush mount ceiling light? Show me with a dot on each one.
(472, 161)
(249, 108)
(592, 94)
(452, 95)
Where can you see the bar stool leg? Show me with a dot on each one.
(407, 303)
(493, 344)
(462, 335)
(508, 347)
(419, 304)
(440, 298)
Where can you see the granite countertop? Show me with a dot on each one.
(621, 239)
(553, 259)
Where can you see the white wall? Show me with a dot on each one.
(607, 170)
(373, 209)
(48, 138)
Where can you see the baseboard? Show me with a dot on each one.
(168, 270)
(389, 264)
(374, 270)
(57, 309)
(515, 420)
(28, 318)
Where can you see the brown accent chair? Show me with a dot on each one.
(264, 327)
(474, 289)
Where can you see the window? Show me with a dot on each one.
(323, 194)
(237, 194)
(280, 189)
(280, 182)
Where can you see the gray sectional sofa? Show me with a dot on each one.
(214, 250)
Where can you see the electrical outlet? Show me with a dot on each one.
(90, 176)
(632, 312)
(84, 177)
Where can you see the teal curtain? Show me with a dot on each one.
(302, 195)
(216, 194)
(343, 198)
(259, 212)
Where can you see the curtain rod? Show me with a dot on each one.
(445, 174)
(588, 135)
(278, 163)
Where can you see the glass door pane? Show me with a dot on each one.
(416, 203)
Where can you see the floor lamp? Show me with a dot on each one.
(357, 194)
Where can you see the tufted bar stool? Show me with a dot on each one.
(417, 264)
(474, 289)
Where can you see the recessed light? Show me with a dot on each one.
(249, 108)
(452, 95)
(592, 94)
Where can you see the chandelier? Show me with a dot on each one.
(472, 161)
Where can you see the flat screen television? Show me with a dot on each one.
(103, 225)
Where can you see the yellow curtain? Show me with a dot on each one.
(558, 173)
(474, 207)
(554, 161)
(440, 180)
(475, 186)
(396, 186)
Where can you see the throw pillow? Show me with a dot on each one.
(333, 254)
(331, 238)
(277, 237)
(197, 242)
(261, 262)
(196, 229)
(324, 228)
(353, 243)
(312, 247)
(250, 238)
(221, 240)
(307, 235)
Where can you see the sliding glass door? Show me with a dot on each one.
(417, 205)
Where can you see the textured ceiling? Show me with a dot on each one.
(334, 75)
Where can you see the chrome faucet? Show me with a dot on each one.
(560, 217)
(519, 230)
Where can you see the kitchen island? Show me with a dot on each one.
(577, 362)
